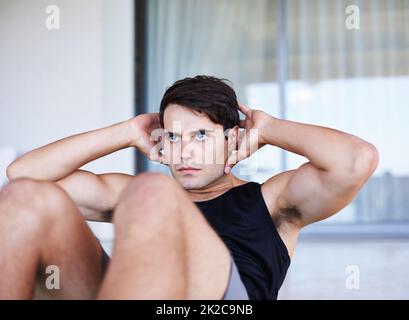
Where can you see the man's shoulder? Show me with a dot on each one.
(273, 187)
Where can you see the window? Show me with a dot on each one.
(297, 59)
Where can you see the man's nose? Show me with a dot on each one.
(187, 149)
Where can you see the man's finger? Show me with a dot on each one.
(246, 110)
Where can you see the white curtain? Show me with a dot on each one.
(233, 39)
(356, 81)
(352, 80)
(225, 38)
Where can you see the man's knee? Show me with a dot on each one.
(150, 186)
(152, 181)
(32, 198)
(149, 194)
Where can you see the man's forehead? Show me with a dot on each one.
(182, 120)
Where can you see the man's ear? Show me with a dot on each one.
(232, 148)
(232, 138)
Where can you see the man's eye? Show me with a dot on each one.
(173, 137)
(201, 135)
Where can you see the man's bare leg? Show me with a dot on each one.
(40, 226)
(164, 247)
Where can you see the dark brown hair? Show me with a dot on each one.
(205, 94)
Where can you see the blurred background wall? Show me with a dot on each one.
(55, 83)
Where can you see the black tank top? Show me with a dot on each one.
(242, 220)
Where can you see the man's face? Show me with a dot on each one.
(193, 141)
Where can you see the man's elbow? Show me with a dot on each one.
(365, 162)
(10, 172)
(13, 172)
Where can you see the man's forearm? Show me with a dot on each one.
(326, 148)
(62, 157)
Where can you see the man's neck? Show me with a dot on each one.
(215, 188)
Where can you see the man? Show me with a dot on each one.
(205, 234)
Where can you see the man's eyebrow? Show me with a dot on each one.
(203, 129)
(192, 131)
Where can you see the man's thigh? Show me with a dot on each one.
(72, 278)
(70, 257)
(155, 204)
(208, 260)
(207, 257)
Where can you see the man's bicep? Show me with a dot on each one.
(94, 194)
(115, 183)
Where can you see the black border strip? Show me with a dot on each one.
(140, 65)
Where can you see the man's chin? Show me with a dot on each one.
(197, 180)
(189, 183)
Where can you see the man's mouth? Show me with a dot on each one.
(188, 169)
